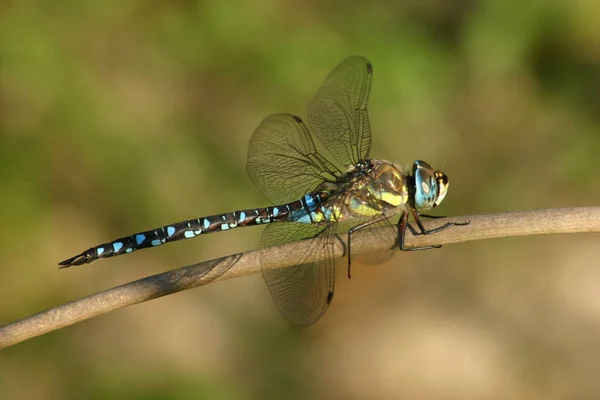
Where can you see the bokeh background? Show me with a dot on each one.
(122, 116)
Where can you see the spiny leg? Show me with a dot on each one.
(355, 229)
(418, 217)
(422, 228)
(403, 225)
(431, 216)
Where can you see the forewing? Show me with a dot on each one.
(301, 292)
(338, 114)
(283, 161)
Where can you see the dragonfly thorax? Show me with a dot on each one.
(388, 183)
(375, 187)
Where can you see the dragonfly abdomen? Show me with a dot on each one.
(306, 208)
(178, 231)
(310, 209)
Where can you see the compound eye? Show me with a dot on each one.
(425, 186)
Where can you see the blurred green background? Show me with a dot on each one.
(121, 116)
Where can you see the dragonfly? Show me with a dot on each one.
(317, 192)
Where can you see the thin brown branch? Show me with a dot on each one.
(523, 223)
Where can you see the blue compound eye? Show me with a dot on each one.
(426, 186)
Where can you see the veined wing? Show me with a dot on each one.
(304, 291)
(283, 161)
(379, 232)
(338, 113)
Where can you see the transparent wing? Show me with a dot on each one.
(338, 114)
(380, 232)
(301, 292)
(283, 161)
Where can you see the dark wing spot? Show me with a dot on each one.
(329, 297)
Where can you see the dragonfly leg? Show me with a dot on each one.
(403, 225)
(424, 231)
(432, 216)
(354, 229)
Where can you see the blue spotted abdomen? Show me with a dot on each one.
(304, 210)
(311, 209)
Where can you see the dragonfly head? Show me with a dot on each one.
(430, 186)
